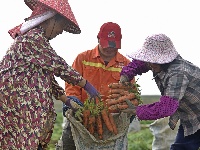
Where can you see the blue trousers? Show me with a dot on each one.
(191, 142)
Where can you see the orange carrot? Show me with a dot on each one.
(91, 124)
(113, 123)
(124, 93)
(99, 126)
(121, 106)
(116, 91)
(116, 95)
(113, 110)
(121, 99)
(117, 86)
(106, 119)
(86, 114)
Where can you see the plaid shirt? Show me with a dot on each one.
(182, 81)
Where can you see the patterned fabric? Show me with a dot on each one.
(31, 3)
(165, 107)
(63, 8)
(41, 6)
(157, 49)
(27, 90)
(182, 81)
(134, 68)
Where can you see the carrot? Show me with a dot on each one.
(108, 100)
(113, 123)
(124, 93)
(91, 124)
(115, 95)
(86, 114)
(117, 86)
(113, 110)
(115, 91)
(121, 99)
(99, 126)
(106, 119)
(124, 105)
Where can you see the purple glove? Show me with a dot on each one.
(91, 90)
(165, 107)
(136, 67)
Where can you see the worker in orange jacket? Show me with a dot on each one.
(100, 66)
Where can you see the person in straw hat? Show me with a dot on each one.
(179, 83)
(27, 82)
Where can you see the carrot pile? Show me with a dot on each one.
(98, 113)
(118, 95)
(94, 115)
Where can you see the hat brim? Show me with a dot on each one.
(110, 44)
(148, 56)
(64, 10)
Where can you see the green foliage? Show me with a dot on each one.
(141, 140)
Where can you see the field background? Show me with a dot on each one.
(141, 140)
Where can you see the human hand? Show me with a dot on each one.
(91, 90)
(73, 103)
(131, 108)
(123, 79)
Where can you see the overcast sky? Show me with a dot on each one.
(178, 19)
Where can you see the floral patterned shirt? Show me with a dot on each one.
(27, 90)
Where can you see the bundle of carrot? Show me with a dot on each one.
(94, 114)
(119, 93)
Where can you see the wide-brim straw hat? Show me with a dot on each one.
(60, 6)
(157, 49)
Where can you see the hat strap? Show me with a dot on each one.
(26, 26)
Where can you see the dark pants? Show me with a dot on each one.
(67, 138)
(191, 142)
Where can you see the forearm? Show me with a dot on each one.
(165, 107)
(63, 98)
(134, 68)
(82, 83)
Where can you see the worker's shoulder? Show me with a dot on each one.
(87, 53)
(121, 57)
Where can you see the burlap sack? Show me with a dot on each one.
(164, 137)
(85, 141)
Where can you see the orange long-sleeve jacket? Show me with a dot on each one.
(92, 67)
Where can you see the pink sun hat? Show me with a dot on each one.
(45, 9)
(157, 49)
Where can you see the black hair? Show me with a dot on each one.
(166, 66)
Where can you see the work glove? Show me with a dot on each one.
(91, 90)
(131, 108)
(123, 79)
(72, 103)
